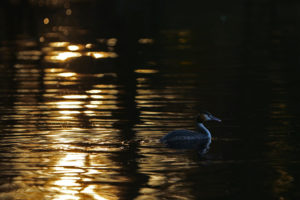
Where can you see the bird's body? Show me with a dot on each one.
(186, 139)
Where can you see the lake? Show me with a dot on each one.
(82, 109)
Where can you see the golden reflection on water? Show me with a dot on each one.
(62, 56)
(29, 55)
(68, 186)
(73, 171)
(46, 20)
(59, 44)
(95, 55)
(63, 51)
(67, 74)
(146, 71)
(67, 105)
(64, 118)
(145, 41)
(69, 112)
(74, 47)
(92, 191)
(75, 96)
(94, 91)
(89, 46)
(77, 163)
(68, 12)
(97, 96)
(283, 183)
(96, 102)
(279, 129)
(99, 54)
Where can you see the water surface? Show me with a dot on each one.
(82, 119)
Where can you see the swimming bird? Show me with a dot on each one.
(186, 139)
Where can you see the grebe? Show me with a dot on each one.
(186, 139)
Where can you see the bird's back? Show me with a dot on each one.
(185, 139)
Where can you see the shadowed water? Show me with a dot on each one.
(82, 119)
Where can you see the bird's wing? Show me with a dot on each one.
(177, 134)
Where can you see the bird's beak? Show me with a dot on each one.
(213, 118)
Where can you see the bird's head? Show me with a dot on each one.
(206, 116)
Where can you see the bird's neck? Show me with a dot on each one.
(202, 129)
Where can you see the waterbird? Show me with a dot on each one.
(187, 139)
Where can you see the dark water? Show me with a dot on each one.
(82, 118)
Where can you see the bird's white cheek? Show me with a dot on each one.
(206, 117)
